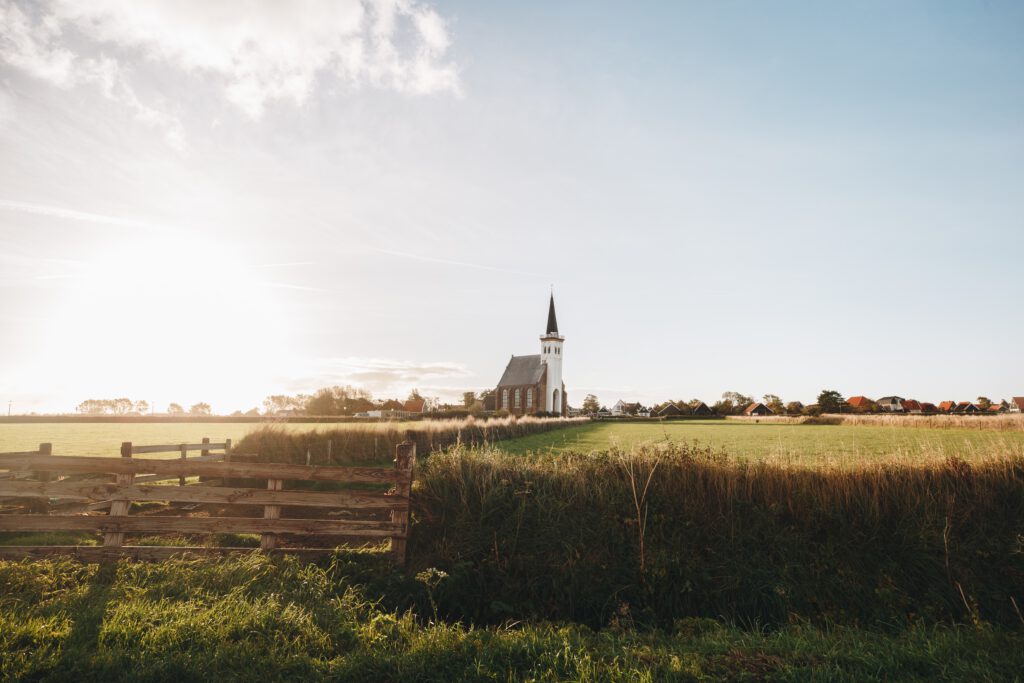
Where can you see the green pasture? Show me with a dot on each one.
(90, 438)
(797, 443)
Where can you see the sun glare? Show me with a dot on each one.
(179, 312)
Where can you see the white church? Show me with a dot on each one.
(533, 384)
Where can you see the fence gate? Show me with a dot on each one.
(41, 477)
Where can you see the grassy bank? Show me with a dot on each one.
(668, 532)
(347, 620)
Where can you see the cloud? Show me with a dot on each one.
(258, 51)
(73, 214)
(380, 376)
(36, 47)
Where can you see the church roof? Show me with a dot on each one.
(552, 320)
(522, 370)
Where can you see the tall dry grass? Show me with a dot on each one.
(374, 443)
(1005, 422)
(670, 531)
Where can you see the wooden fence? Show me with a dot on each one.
(131, 483)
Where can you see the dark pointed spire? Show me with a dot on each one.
(552, 320)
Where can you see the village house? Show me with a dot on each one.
(859, 403)
(668, 410)
(1017, 404)
(759, 410)
(890, 404)
(947, 406)
(622, 408)
(702, 409)
(912, 406)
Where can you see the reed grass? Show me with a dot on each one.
(1006, 422)
(592, 537)
(374, 443)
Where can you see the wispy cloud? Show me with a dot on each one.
(257, 52)
(460, 264)
(381, 376)
(74, 214)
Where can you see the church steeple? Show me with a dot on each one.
(552, 320)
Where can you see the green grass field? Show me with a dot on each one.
(280, 620)
(106, 438)
(778, 442)
(795, 443)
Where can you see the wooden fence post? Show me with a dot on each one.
(405, 460)
(205, 452)
(268, 541)
(119, 508)
(184, 456)
(227, 450)
(41, 506)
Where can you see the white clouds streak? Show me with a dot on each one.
(380, 376)
(257, 51)
(460, 264)
(72, 214)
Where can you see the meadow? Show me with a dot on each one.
(810, 444)
(351, 620)
(596, 553)
(367, 442)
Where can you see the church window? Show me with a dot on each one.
(504, 399)
(518, 399)
(529, 398)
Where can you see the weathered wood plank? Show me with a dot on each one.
(269, 541)
(405, 460)
(199, 525)
(100, 491)
(89, 553)
(120, 508)
(195, 467)
(177, 447)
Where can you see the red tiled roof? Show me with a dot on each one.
(911, 404)
(1019, 400)
(928, 407)
(414, 405)
(858, 401)
(946, 406)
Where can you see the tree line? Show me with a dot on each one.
(126, 406)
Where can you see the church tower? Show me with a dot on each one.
(551, 356)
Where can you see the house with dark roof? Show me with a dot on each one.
(966, 407)
(668, 410)
(759, 410)
(702, 409)
(928, 408)
(533, 384)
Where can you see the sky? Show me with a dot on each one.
(222, 201)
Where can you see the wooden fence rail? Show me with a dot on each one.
(128, 471)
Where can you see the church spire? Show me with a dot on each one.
(552, 320)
